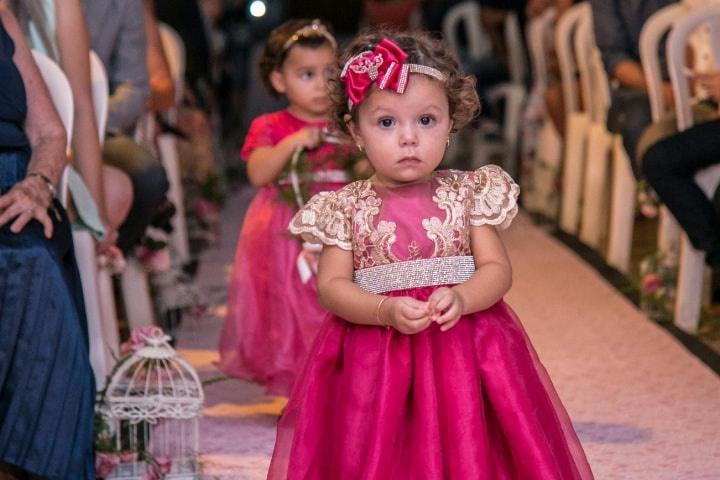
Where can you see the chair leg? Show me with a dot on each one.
(167, 148)
(622, 210)
(87, 265)
(599, 145)
(574, 166)
(109, 316)
(136, 295)
(689, 287)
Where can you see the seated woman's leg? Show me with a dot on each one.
(118, 194)
(670, 166)
(150, 186)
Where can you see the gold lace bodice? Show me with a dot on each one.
(431, 219)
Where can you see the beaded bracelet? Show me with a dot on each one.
(48, 182)
(377, 313)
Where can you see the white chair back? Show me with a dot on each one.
(537, 33)
(62, 97)
(517, 63)
(467, 14)
(652, 33)
(564, 42)
(100, 93)
(174, 49)
(691, 271)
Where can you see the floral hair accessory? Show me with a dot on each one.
(385, 66)
(315, 29)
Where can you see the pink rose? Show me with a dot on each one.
(128, 457)
(649, 211)
(105, 463)
(138, 338)
(164, 464)
(205, 208)
(651, 283)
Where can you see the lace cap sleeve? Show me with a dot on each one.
(324, 219)
(495, 196)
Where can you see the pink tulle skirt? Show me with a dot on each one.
(470, 403)
(272, 316)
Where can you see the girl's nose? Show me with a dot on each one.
(408, 137)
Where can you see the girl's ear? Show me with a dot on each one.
(353, 131)
(277, 80)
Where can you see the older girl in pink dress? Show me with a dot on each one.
(421, 371)
(272, 312)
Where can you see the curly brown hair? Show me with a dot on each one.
(275, 53)
(421, 49)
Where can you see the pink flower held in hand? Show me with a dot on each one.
(651, 283)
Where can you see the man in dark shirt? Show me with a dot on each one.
(617, 33)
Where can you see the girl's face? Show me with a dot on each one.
(303, 80)
(404, 136)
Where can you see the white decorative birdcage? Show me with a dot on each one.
(150, 411)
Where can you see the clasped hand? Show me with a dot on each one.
(409, 315)
(27, 200)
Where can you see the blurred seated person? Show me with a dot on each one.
(670, 166)
(117, 34)
(617, 25)
(61, 33)
(47, 388)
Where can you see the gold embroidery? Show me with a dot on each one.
(349, 219)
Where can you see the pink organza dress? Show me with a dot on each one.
(273, 314)
(470, 403)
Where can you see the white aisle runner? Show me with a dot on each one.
(645, 408)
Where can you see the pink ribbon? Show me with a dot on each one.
(384, 66)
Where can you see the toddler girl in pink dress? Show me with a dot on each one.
(273, 312)
(421, 370)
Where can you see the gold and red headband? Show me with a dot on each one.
(314, 29)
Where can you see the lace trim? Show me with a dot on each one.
(494, 197)
(325, 220)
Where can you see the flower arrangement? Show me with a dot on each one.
(657, 280)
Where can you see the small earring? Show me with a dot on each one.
(448, 141)
(359, 147)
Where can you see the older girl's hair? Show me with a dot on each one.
(283, 38)
(421, 49)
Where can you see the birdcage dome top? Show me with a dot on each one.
(153, 381)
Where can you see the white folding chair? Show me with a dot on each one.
(62, 97)
(542, 197)
(577, 119)
(512, 93)
(654, 30)
(691, 266)
(167, 143)
(595, 94)
(467, 14)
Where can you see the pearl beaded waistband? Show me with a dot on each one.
(425, 272)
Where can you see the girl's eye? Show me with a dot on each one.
(426, 120)
(306, 75)
(386, 122)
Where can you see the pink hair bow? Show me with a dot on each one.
(384, 66)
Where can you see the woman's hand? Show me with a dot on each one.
(27, 200)
(446, 307)
(405, 314)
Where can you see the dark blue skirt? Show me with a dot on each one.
(47, 388)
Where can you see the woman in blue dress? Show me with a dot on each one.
(46, 384)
